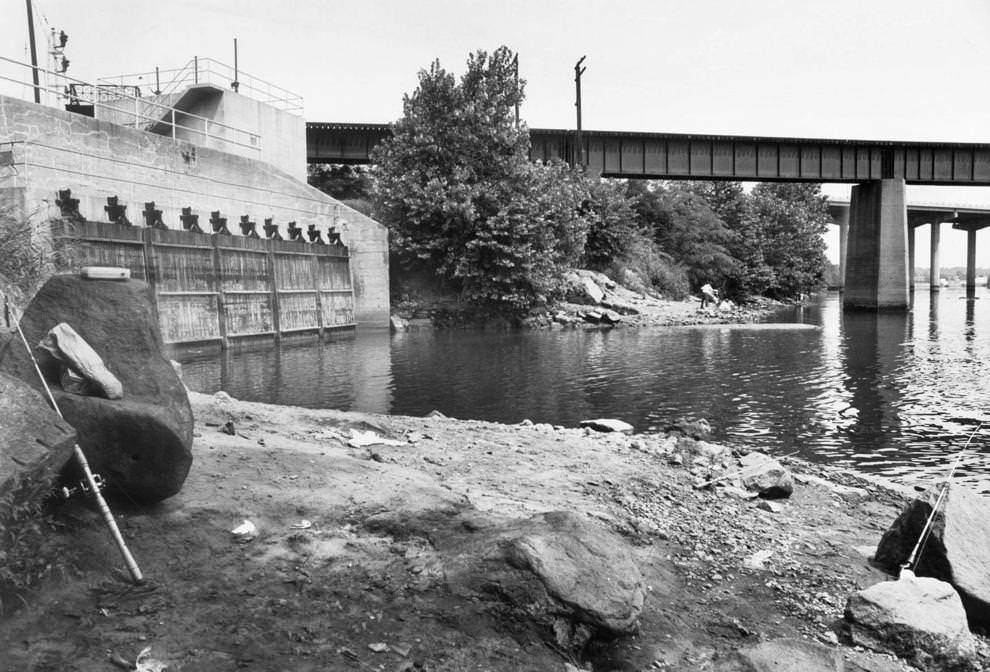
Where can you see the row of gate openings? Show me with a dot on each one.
(220, 288)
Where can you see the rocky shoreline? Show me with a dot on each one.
(594, 301)
(401, 543)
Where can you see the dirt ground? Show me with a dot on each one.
(317, 589)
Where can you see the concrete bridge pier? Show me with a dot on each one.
(841, 217)
(934, 219)
(970, 223)
(970, 263)
(877, 254)
(935, 267)
(910, 244)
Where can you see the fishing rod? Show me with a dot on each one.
(926, 531)
(93, 485)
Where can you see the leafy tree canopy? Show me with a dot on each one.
(784, 234)
(340, 181)
(455, 187)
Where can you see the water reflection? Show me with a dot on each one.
(872, 353)
(348, 372)
(894, 394)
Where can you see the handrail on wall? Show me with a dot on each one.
(210, 71)
(165, 114)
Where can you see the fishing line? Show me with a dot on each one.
(84, 464)
(929, 524)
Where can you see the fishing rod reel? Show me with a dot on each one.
(82, 488)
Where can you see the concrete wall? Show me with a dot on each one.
(55, 150)
(262, 131)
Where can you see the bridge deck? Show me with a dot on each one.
(711, 157)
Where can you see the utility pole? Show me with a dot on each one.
(579, 150)
(34, 54)
(235, 85)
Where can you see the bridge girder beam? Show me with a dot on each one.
(709, 157)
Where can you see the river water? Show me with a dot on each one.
(892, 394)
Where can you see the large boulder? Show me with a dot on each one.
(916, 617)
(558, 572)
(958, 550)
(582, 288)
(140, 444)
(766, 476)
(34, 445)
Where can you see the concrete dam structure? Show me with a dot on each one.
(178, 187)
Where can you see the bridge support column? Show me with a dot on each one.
(876, 259)
(935, 269)
(970, 263)
(843, 221)
(910, 234)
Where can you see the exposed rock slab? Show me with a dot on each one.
(799, 655)
(957, 550)
(784, 655)
(765, 475)
(584, 289)
(918, 618)
(607, 425)
(140, 444)
(560, 572)
(582, 566)
(34, 444)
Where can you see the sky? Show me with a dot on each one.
(864, 69)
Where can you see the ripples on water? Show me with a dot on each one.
(891, 394)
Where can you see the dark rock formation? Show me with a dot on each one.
(34, 444)
(140, 444)
(691, 427)
(957, 549)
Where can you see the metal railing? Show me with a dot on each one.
(210, 71)
(123, 104)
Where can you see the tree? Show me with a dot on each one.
(342, 182)
(687, 228)
(455, 187)
(782, 241)
(613, 223)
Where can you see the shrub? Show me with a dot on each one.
(645, 258)
(27, 545)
